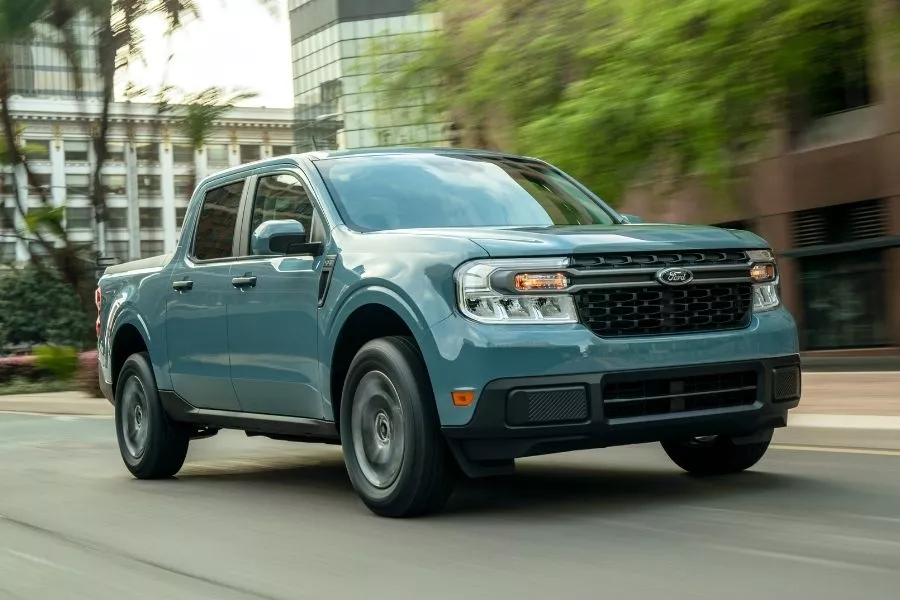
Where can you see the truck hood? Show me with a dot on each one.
(592, 239)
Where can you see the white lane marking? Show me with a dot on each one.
(55, 416)
(38, 560)
(844, 421)
(810, 560)
(835, 450)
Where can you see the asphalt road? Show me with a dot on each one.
(252, 518)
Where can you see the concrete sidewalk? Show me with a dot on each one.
(856, 393)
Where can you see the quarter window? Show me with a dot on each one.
(281, 197)
(218, 218)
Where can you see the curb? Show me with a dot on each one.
(883, 423)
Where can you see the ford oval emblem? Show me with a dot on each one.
(674, 276)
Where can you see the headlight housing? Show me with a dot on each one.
(515, 291)
(764, 274)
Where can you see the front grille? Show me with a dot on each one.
(660, 260)
(658, 310)
(547, 406)
(625, 396)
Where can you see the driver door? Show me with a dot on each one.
(272, 308)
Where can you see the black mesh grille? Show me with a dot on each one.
(551, 405)
(660, 260)
(786, 384)
(655, 310)
(629, 398)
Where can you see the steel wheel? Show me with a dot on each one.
(135, 416)
(377, 427)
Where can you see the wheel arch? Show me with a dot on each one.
(370, 314)
(131, 336)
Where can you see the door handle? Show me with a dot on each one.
(244, 282)
(182, 286)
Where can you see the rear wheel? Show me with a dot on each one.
(716, 455)
(396, 456)
(152, 446)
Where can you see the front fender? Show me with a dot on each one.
(380, 293)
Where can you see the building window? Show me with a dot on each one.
(179, 217)
(78, 185)
(281, 150)
(117, 249)
(217, 155)
(147, 152)
(149, 185)
(117, 218)
(114, 184)
(44, 181)
(79, 217)
(183, 154)
(115, 152)
(249, 153)
(77, 151)
(218, 218)
(151, 218)
(844, 223)
(844, 300)
(7, 218)
(7, 251)
(37, 149)
(151, 248)
(184, 186)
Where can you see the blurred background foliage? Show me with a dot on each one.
(623, 92)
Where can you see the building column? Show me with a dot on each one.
(21, 191)
(167, 186)
(57, 171)
(132, 181)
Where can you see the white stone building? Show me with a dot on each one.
(147, 176)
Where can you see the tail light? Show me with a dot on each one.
(98, 299)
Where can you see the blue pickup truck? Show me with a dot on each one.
(440, 313)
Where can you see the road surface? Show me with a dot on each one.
(251, 519)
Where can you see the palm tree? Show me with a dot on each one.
(198, 113)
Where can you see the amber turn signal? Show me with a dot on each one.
(527, 282)
(762, 272)
(463, 397)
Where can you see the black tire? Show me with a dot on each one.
(157, 452)
(718, 456)
(424, 478)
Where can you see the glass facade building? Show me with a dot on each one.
(336, 103)
(41, 70)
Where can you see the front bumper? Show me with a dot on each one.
(530, 416)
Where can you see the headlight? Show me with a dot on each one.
(764, 274)
(515, 291)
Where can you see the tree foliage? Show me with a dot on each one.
(623, 91)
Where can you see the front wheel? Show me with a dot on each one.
(152, 446)
(396, 456)
(716, 455)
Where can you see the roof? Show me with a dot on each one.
(296, 159)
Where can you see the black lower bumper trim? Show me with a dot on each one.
(737, 398)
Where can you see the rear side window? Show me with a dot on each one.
(217, 222)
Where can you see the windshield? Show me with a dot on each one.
(407, 191)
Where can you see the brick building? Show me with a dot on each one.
(826, 195)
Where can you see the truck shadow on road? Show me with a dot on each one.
(538, 487)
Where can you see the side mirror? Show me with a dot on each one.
(633, 219)
(285, 237)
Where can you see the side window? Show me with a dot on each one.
(281, 197)
(217, 222)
